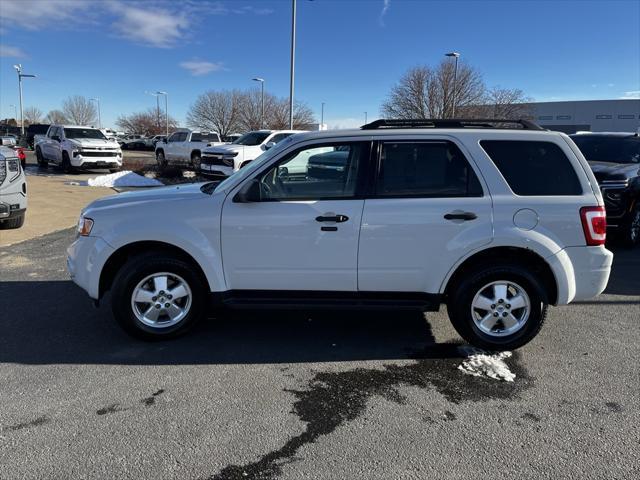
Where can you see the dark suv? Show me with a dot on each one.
(615, 161)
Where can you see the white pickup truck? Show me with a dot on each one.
(75, 147)
(184, 148)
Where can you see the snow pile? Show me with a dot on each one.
(126, 178)
(480, 364)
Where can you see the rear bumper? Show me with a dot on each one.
(581, 272)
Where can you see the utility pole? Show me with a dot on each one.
(97, 100)
(455, 81)
(21, 75)
(293, 62)
(322, 115)
(261, 80)
(166, 110)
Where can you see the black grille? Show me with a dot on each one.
(98, 154)
(216, 160)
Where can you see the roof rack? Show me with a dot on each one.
(449, 123)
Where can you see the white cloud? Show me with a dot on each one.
(9, 51)
(199, 67)
(631, 94)
(385, 7)
(35, 14)
(153, 26)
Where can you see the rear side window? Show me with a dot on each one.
(533, 168)
(425, 169)
(205, 137)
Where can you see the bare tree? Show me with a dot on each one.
(423, 92)
(218, 111)
(278, 118)
(79, 110)
(508, 103)
(56, 116)
(145, 123)
(32, 115)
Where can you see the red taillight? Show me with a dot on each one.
(20, 152)
(594, 224)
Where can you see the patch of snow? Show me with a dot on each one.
(126, 178)
(481, 364)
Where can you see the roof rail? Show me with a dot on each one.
(448, 123)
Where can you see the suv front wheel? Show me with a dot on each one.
(157, 296)
(498, 307)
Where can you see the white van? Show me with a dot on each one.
(13, 190)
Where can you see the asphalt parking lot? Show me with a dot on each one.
(297, 395)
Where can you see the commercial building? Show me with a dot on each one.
(590, 115)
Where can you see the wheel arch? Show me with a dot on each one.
(513, 255)
(119, 257)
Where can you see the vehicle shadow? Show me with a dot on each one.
(625, 273)
(59, 325)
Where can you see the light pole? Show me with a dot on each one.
(322, 115)
(293, 61)
(365, 118)
(455, 81)
(97, 100)
(21, 75)
(261, 80)
(166, 110)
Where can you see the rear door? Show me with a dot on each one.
(427, 210)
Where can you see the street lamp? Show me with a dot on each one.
(97, 100)
(166, 110)
(455, 81)
(322, 115)
(365, 118)
(293, 62)
(261, 80)
(21, 75)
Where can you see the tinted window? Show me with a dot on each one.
(205, 137)
(83, 133)
(609, 149)
(252, 138)
(425, 169)
(314, 173)
(533, 168)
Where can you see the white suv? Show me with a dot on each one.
(74, 147)
(229, 158)
(496, 223)
(13, 190)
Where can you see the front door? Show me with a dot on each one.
(303, 233)
(428, 210)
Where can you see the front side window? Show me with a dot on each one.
(84, 133)
(175, 137)
(328, 171)
(425, 169)
(533, 168)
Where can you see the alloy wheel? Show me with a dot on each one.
(161, 300)
(500, 308)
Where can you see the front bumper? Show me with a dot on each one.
(581, 272)
(86, 257)
(85, 161)
(14, 203)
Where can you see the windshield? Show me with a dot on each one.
(255, 164)
(609, 149)
(83, 133)
(252, 138)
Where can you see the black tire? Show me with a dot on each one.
(461, 298)
(195, 161)
(629, 234)
(136, 270)
(11, 223)
(66, 163)
(161, 160)
(42, 162)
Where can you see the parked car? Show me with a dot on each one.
(155, 139)
(496, 223)
(615, 161)
(13, 190)
(8, 140)
(229, 158)
(75, 147)
(139, 144)
(184, 148)
(232, 137)
(34, 132)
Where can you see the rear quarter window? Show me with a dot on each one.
(533, 168)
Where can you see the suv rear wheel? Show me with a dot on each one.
(498, 307)
(162, 161)
(156, 296)
(42, 162)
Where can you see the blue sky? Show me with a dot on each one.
(349, 53)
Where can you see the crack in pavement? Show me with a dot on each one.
(334, 398)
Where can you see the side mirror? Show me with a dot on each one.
(250, 192)
(268, 145)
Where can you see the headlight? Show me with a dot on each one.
(84, 226)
